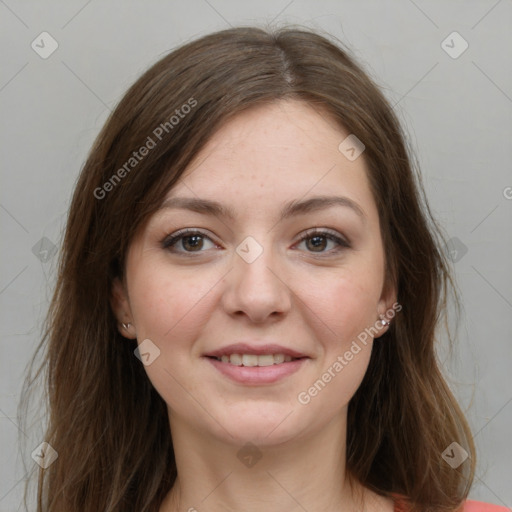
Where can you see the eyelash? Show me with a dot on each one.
(171, 240)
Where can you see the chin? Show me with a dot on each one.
(267, 424)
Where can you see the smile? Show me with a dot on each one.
(255, 360)
(256, 370)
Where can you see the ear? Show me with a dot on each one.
(387, 307)
(121, 308)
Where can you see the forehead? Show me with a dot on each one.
(289, 129)
(271, 155)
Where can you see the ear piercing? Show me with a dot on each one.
(126, 326)
(384, 322)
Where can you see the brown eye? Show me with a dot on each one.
(317, 241)
(187, 241)
(192, 242)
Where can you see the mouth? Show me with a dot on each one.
(256, 364)
(252, 360)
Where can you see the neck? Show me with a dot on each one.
(306, 473)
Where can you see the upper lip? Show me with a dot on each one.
(253, 349)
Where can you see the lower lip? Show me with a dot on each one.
(257, 374)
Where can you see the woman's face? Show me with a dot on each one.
(244, 290)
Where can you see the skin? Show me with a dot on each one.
(315, 300)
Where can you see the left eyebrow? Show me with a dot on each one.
(292, 208)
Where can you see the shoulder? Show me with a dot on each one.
(480, 506)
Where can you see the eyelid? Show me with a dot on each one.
(182, 233)
(325, 232)
(332, 235)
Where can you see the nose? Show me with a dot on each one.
(258, 288)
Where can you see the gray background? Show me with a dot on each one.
(457, 112)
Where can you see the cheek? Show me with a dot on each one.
(346, 303)
(170, 311)
(341, 372)
(167, 307)
(342, 376)
(346, 306)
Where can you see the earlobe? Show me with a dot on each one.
(121, 309)
(386, 308)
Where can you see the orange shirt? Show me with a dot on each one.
(480, 506)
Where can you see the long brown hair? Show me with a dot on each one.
(106, 421)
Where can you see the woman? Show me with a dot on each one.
(248, 295)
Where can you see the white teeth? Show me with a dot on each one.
(278, 358)
(266, 360)
(249, 360)
(235, 359)
(255, 360)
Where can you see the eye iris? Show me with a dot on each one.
(315, 244)
(195, 245)
(194, 242)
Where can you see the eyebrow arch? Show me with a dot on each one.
(292, 208)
